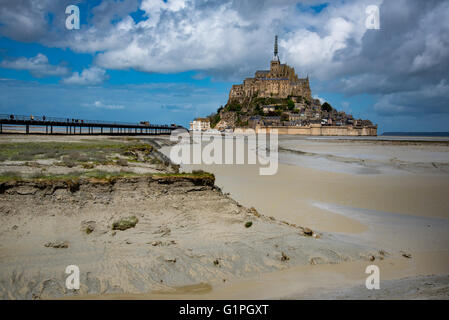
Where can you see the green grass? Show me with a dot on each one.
(125, 223)
(94, 174)
(98, 174)
(51, 177)
(186, 175)
(10, 175)
(73, 153)
(104, 175)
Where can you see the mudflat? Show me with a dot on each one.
(134, 225)
(139, 227)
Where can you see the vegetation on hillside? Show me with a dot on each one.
(237, 112)
(326, 107)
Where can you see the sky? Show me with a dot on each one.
(169, 61)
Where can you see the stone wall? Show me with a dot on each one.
(319, 130)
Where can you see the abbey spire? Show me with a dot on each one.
(276, 57)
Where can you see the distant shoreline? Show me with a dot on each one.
(417, 134)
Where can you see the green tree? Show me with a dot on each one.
(234, 106)
(284, 117)
(326, 107)
(214, 118)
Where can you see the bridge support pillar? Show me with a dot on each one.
(27, 129)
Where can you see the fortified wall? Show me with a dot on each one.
(315, 130)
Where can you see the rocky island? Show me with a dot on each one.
(279, 99)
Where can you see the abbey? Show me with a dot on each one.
(280, 81)
(277, 99)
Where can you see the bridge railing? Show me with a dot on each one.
(14, 117)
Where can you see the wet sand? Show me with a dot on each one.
(377, 193)
(188, 236)
(291, 194)
(327, 281)
(360, 199)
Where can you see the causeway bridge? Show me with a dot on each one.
(11, 123)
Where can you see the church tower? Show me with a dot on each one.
(276, 57)
(274, 64)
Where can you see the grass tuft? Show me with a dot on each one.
(125, 223)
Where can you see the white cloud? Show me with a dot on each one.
(227, 37)
(91, 76)
(233, 38)
(314, 44)
(177, 38)
(38, 66)
(99, 104)
(322, 100)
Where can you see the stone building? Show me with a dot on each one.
(280, 81)
(267, 109)
(200, 124)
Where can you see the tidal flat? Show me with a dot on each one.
(140, 227)
(133, 223)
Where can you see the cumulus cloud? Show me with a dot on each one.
(406, 62)
(33, 20)
(38, 66)
(91, 76)
(23, 20)
(230, 39)
(176, 37)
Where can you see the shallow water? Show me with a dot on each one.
(396, 231)
(386, 195)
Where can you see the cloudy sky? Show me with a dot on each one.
(171, 60)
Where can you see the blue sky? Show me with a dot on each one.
(170, 61)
